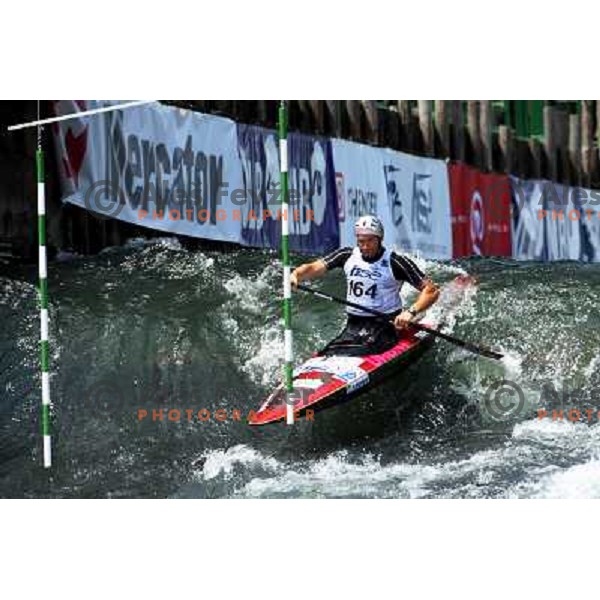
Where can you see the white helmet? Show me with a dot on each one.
(369, 225)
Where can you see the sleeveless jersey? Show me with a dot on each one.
(372, 285)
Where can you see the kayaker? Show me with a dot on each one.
(374, 277)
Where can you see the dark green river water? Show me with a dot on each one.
(154, 327)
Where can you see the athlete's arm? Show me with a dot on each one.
(319, 267)
(405, 269)
(427, 297)
(307, 271)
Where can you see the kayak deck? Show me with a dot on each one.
(323, 381)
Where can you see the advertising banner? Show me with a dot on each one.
(313, 211)
(154, 165)
(528, 233)
(481, 206)
(360, 186)
(418, 204)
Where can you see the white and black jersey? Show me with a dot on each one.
(375, 283)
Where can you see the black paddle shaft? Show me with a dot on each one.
(449, 338)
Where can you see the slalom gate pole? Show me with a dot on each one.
(287, 288)
(43, 297)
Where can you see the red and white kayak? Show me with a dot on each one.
(325, 381)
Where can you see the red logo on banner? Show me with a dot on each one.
(477, 222)
(73, 136)
(480, 212)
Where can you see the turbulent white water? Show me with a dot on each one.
(157, 326)
(537, 457)
(528, 465)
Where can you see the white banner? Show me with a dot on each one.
(419, 204)
(561, 222)
(360, 187)
(156, 166)
(547, 221)
(410, 194)
(528, 231)
(588, 202)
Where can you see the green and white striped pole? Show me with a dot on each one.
(43, 271)
(287, 288)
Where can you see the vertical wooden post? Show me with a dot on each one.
(335, 117)
(372, 134)
(458, 130)
(586, 142)
(533, 157)
(353, 109)
(300, 115)
(473, 129)
(261, 109)
(318, 115)
(506, 142)
(550, 141)
(406, 138)
(595, 168)
(394, 125)
(385, 133)
(442, 127)
(485, 132)
(574, 149)
(561, 125)
(426, 125)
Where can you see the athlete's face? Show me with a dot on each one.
(368, 245)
